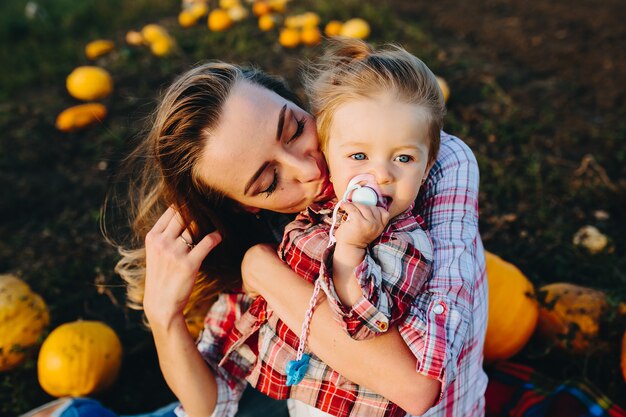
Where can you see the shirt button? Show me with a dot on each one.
(438, 309)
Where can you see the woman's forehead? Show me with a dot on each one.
(244, 134)
(246, 97)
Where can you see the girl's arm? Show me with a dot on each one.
(367, 363)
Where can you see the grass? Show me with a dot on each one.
(533, 195)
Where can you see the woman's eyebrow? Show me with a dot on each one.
(281, 122)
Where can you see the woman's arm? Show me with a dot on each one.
(367, 363)
(448, 328)
(184, 369)
(171, 269)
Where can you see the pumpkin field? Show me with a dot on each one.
(536, 89)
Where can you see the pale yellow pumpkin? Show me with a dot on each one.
(355, 28)
(310, 20)
(134, 38)
(570, 315)
(79, 358)
(152, 32)
(238, 13)
(513, 309)
(23, 317)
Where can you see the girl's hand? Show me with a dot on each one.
(255, 265)
(363, 225)
(171, 267)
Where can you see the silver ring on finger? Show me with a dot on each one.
(189, 244)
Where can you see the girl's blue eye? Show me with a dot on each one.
(360, 156)
(404, 158)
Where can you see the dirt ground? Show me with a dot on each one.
(578, 42)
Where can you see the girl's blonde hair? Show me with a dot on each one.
(351, 69)
(163, 173)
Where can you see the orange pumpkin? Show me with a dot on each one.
(80, 117)
(333, 28)
(79, 358)
(569, 315)
(311, 36)
(219, 20)
(89, 83)
(98, 48)
(513, 309)
(289, 38)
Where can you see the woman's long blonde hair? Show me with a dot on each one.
(162, 172)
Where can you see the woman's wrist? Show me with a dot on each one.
(165, 322)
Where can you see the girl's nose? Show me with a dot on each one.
(383, 173)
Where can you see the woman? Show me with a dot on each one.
(227, 142)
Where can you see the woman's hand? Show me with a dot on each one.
(254, 266)
(172, 263)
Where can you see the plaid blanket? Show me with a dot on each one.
(519, 391)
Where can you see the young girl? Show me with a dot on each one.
(379, 116)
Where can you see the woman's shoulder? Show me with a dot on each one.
(454, 149)
(454, 156)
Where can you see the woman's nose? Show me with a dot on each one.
(304, 168)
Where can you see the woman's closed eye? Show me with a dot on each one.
(300, 123)
(272, 187)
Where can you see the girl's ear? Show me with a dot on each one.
(249, 209)
(427, 171)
